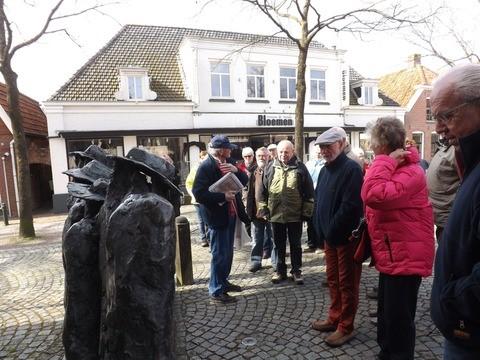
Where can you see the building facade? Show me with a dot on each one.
(411, 87)
(170, 89)
(35, 127)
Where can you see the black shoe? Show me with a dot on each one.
(266, 255)
(232, 287)
(298, 278)
(309, 249)
(255, 267)
(204, 243)
(223, 298)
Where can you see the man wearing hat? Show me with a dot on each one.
(338, 209)
(221, 210)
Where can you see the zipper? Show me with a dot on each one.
(387, 241)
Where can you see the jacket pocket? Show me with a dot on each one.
(389, 246)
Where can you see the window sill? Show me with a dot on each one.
(319, 103)
(263, 101)
(221, 100)
(293, 101)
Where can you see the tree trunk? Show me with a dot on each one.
(26, 228)
(300, 108)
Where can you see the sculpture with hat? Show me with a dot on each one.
(130, 218)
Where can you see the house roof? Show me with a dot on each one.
(355, 76)
(400, 85)
(34, 120)
(154, 48)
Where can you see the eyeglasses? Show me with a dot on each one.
(249, 156)
(447, 116)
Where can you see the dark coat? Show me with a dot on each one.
(455, 301)
(213, 204)
(338, 205)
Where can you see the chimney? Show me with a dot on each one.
(415, 60)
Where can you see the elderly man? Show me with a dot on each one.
(338, 209)
(287, 199)
(261, 234)
(220, 211)
(455, 301)
(272, 151)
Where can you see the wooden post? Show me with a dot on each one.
(183, 258)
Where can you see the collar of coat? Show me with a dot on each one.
(293, 163)
(470, 150)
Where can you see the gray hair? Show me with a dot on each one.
(467, 81)
(212, 151)
(261, 149)
(387, 131)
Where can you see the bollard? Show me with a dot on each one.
(4, 210)
(183, 258)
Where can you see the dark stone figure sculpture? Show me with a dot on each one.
(82, 278)
(139, 251)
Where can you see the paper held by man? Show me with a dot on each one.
(229, 182)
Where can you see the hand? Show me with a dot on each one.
(399, 155)
(228, 167)
(230, 196)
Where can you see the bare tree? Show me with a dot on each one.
(9, 45)
(443, 38)
(302, 20)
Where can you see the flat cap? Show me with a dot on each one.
(330, 136)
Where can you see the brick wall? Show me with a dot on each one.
(415, 120)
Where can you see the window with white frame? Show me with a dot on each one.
(288, 81)
(220, 77)
(135, 87)
(418, 136)
(368, 96)
(255, 81)
(317, 85)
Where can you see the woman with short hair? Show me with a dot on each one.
(400, 223)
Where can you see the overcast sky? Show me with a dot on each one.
(45, 66)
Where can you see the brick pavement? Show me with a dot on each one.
(276, 317)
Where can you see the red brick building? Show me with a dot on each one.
(35, 126)
(410, 87)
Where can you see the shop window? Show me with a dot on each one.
(317, 85)
(255, 81)
(220, 77)
(174, 147)
(288, 82)
(112, 146)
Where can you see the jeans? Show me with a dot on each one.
(294, 232)
(397, 303)
(343, 276)
(262, 240)
(202, 226)
(454, 352)
(221, 246)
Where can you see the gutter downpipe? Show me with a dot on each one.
(14, 170)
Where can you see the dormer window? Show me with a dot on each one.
(134, 85)
(366, 91)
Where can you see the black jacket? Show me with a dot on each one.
(213, 204)
(338, 205)
(455, 301)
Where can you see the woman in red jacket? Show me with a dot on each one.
(400, 223)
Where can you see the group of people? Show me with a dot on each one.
(333, 193)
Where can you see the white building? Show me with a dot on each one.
(169, 89)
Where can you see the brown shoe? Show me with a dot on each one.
(323, 325)
(338, 338)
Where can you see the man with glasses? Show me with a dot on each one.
(455, 299)
(337, 212)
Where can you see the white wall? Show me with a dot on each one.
(58, 157)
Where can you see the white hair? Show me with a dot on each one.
(247, 151)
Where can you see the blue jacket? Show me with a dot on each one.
(455, 302)
(338, 205)
(213, 204)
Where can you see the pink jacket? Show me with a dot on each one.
(399, 216)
